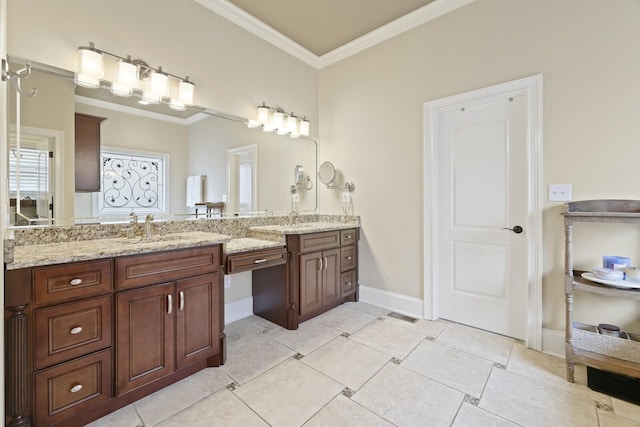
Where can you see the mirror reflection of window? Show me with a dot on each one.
(31, 179)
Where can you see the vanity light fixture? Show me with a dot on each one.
(276, 119)
(127, 77)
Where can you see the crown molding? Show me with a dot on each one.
(405, 23)
(255, 26)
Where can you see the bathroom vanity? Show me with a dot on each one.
(93, 325)
(86, 338)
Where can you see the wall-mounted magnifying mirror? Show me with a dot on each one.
(326, 174)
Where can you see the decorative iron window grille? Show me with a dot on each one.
(132, 182)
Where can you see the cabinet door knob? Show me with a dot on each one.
(75, 282)
(181, 303)
(348, 284)
(349, 258)
(76, 388)
(76, 330)
(169, 303)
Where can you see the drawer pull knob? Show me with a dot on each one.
(348, 236)
(260, 261)
(348, 284)
(349, 258)
(76, 388)
(76, 330)
(75, 282)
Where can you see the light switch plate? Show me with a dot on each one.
(559, 192)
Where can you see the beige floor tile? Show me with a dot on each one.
(472, 416)
(173, 399)
(346, 361)
(406, 398)
(343, 412)
(253, 358)
(551, 370)
(308, 337)
(289, 394)
(124, 417)
(609, 419)
(368, 308)
(457, 369)
(249, 328)
(222, 409)
(425, 327)
(530, 403)
(626, 409)
(345, 319)
(391, 339)
(484, 344)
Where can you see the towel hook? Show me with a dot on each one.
(15, 77)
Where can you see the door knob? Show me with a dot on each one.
(517, 229)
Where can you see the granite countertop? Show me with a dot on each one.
(58, 253)
(278, 232)
(246, 244)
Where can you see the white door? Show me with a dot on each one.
(482, 198)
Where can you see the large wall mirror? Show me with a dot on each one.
(245, 170)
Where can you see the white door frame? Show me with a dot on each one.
(531, 87)
(253, 149)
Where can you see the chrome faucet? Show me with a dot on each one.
(293, 217)
(147, 225)
(133, 230)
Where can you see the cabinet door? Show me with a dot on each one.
(331, 286)
(197, 318)
(87, 152)
(310, 282)
(145, 336)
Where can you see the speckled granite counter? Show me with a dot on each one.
(246, 244)
(278, 232)
(36, 246)
(57, 253)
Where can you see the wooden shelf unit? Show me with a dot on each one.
(602, 211)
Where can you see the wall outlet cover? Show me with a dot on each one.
(346, 197)
(295, 198)
(559, 192)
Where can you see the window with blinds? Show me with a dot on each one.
(30, 167)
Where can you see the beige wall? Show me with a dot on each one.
(372, 124)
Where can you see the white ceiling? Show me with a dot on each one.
(322, 32)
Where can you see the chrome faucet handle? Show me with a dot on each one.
(147, 225)
(134, 217)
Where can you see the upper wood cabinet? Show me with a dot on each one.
(87, 153)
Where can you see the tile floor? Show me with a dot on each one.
(357, 366)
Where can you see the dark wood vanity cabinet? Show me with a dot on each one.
(87, 152)
(323, 272)
(84, 339)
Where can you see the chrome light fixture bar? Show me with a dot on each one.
(272, 119)
(132, 77)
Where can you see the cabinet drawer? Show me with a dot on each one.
(75, 280)
(66, 389)
(348, 237)
(348, 281)
(348, 258)
(255, 260)
(319, 241)
(71, 330)
(161, 267)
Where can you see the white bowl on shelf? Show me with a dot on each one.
(608, 273)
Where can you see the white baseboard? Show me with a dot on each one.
(403, 304)
(553, 342)
(237, 310)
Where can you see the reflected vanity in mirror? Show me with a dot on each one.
(197, 141)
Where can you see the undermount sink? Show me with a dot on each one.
(155, 239)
